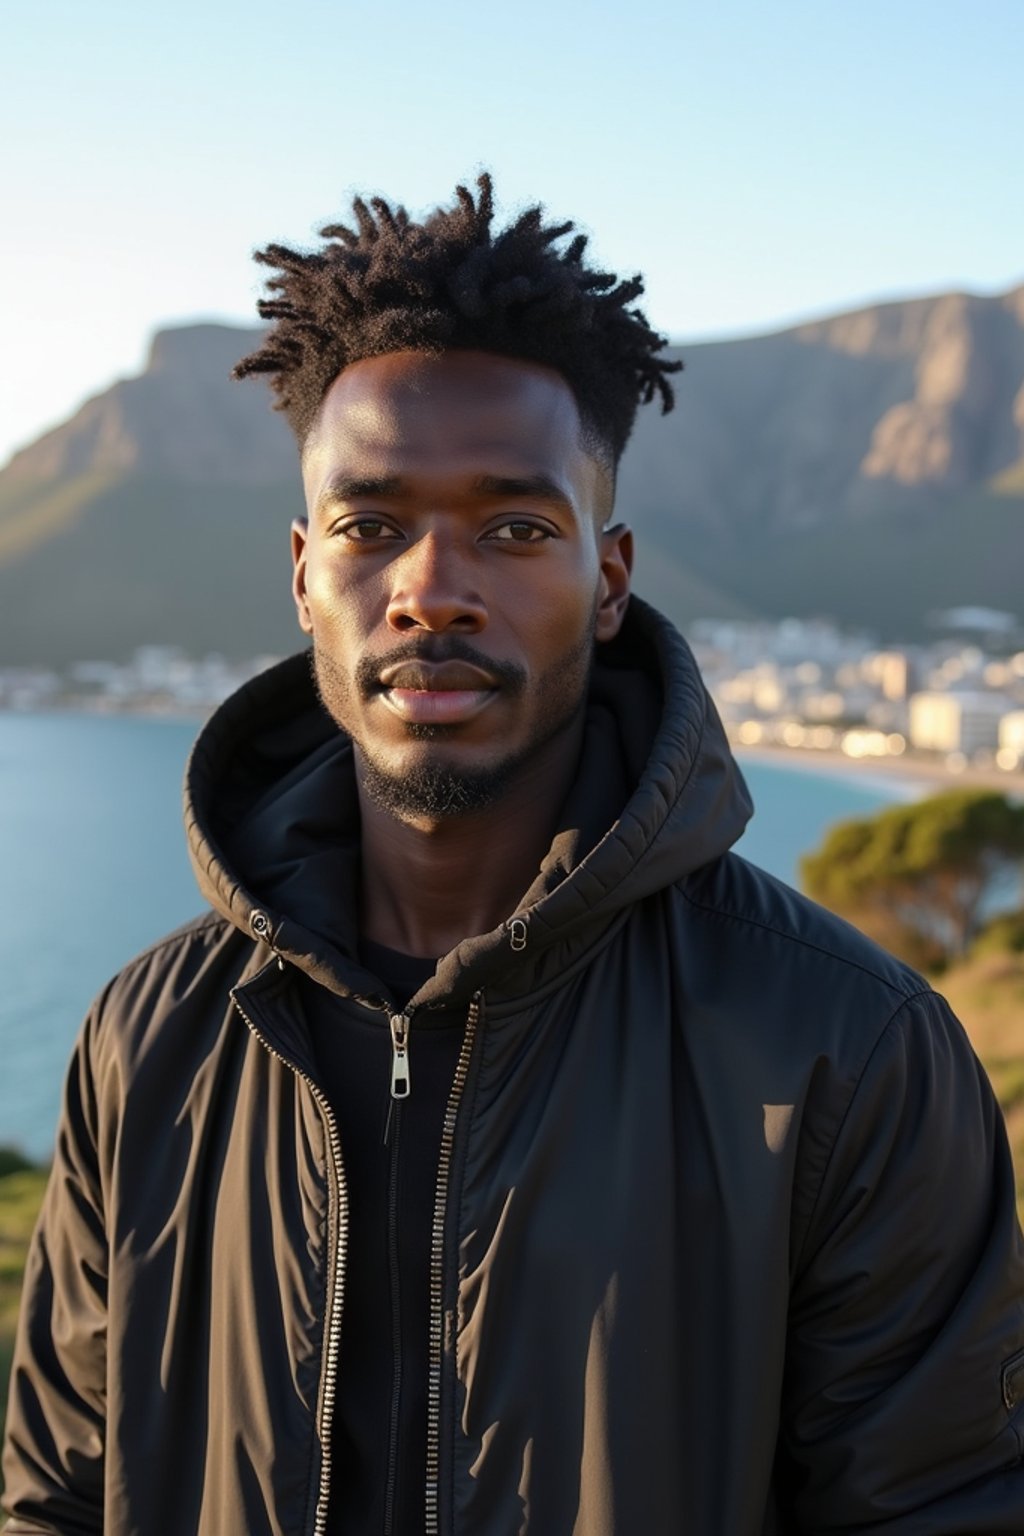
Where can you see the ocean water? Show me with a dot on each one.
(93, 868)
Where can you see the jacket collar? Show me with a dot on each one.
(273, 825)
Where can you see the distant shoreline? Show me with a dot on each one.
(918, 776)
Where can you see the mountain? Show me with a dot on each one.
(869, 465)
(159, 513)
(182, 419)
(845, 417)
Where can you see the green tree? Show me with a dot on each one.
(916, 876)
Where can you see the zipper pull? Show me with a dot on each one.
(400, 1056)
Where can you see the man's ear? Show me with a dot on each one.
(300, 543)
(613, 591)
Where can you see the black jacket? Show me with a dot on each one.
(724, 1232)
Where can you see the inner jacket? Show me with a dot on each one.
(723, 1239)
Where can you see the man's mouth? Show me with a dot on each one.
(436, 693)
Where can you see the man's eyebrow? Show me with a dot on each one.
(505, 487)
(355, 487)
(534, 487)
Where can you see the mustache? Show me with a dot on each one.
(507, 675)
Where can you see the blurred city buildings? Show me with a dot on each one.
(810, 685)
(159, 679)
(794, 683)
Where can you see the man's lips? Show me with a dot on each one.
(436, 676)
(437, 706)
(437, 693)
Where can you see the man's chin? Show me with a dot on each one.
(433, 788)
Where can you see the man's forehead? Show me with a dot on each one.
(407, 413)
(398, 392)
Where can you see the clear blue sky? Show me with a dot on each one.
(757, 162)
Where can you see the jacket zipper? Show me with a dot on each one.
(401, 1082)
(395, 1131)
(436, 1342)
(332, 1328)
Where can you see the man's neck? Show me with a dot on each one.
(428, 884)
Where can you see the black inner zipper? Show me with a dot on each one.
(394, 1137)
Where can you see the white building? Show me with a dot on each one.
(961, 720)
(1011, 733)
(889, 671)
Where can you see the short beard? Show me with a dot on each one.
(434, 790)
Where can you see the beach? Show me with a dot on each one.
(916, 775)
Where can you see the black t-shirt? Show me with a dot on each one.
(403, 975)
(379, 1428)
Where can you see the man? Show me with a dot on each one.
(502, 1154)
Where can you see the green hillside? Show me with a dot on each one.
(34, 514)
(666, 579)
(99, 566)
(886, 574)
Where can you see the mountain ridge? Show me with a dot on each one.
(841, 432)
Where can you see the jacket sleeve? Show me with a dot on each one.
(53, 1452)
(905, 1361)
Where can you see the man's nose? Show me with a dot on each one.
(434, 587)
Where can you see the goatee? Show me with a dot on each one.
(436, 788)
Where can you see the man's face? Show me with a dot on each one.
(453, 571)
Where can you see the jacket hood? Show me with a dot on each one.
(272, 818)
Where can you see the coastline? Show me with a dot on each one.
(905, 777)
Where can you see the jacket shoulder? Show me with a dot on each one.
(201, 929)
(759, 912)
(784, 980)
(185, 971)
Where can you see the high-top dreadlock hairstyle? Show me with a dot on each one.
(393, 285)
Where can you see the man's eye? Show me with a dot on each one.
(367, 530)
(520, 533)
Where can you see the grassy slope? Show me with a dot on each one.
(20, 1196)
(988, 996)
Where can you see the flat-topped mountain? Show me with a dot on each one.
(869, 465)
(182, 418)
